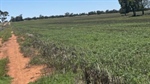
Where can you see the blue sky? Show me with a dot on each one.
(31, 8)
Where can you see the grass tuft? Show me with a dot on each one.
(4, 78)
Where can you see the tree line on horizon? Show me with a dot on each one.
(67, 14)
(126, 7)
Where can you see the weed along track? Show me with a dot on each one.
(3, 49)
(17, 66)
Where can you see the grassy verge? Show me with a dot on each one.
(4, 78)
(57, 78)
(5, 34)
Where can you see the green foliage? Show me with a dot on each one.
(5, 34)
(17, 18)
(4, 79)
(132, 5)
(58, 78)
(3, 15)
(114, 47)
(3, 63)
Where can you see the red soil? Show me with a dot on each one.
(18, 67)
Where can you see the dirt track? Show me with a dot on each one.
(18, 65)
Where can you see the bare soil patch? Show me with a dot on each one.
(18, 67)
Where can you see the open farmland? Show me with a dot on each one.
(116, 48)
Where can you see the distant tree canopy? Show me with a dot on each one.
(67, 14)
(3, 15)
(133, 5)
(17, 18)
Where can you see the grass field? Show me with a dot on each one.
(112, 47)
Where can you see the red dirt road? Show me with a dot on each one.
(18, 65)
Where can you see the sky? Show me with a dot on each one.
(31, 8)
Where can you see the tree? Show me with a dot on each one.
(41, 17)
(13, 19)
(34, 18)
(100, 12)
(17, 18)
(67, 14)
(3, 15)
(92, 13)
(133, 5)
(139, 5)
(125, 8)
